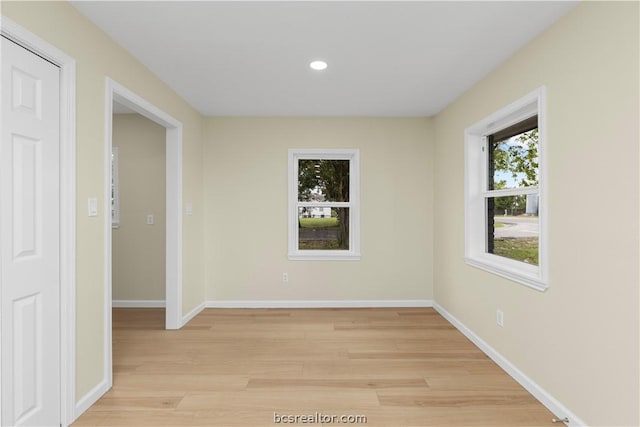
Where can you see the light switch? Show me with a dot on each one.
(150, 219)
(93, 206)
(189, 208)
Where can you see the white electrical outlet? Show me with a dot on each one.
(285, 277)
(150, 219)
(500, 318)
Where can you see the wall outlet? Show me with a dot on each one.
(285, 277)
(500, 318)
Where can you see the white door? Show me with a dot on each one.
(29, 239)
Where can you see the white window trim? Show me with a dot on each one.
(353, 155)
(115, 208)
(476, 178)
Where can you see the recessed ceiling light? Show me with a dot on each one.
(318, 65)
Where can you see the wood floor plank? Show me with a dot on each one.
(317, 383)
(180, 382)
(424, 355)
(474, 382)
(304, 400)
(389, 327)
(138, 403)
(241, 367)
(455, 399)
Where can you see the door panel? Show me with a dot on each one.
(30, 239)
(26, 92)
(27, 355)
(27, 179)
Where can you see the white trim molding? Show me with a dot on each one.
(160, 303)
(318, 303)
(193, 313)
(118, 93)
(551, 403)
(67, 65)
(477, 193)
(353, 204)
(92, 396)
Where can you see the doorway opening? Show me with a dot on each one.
(138, 211)
(123, 97)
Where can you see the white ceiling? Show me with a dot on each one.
(385, 58)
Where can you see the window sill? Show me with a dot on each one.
(324, 256)
(531, 280)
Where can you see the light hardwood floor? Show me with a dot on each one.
(241, 367)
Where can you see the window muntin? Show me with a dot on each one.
(505, 209)
(323, 204)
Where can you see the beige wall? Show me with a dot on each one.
(139, 248)
(579, 339)
(97, 57)
(246, 205)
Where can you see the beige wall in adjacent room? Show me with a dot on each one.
(579, 339)
(139, 248)
(97, 57)
(246, 209)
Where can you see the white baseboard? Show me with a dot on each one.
(193, 313)
(318, 304)
(90, 398)
(142, 303)
(538, 392)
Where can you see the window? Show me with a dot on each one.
(505, 206)
(115, 196)
(324, 214)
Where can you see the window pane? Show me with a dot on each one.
(115, 191)
(321, 228)
(323, 180)
(513, 162)
(513, 227)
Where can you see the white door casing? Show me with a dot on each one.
(30, 238)
(173, 287)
